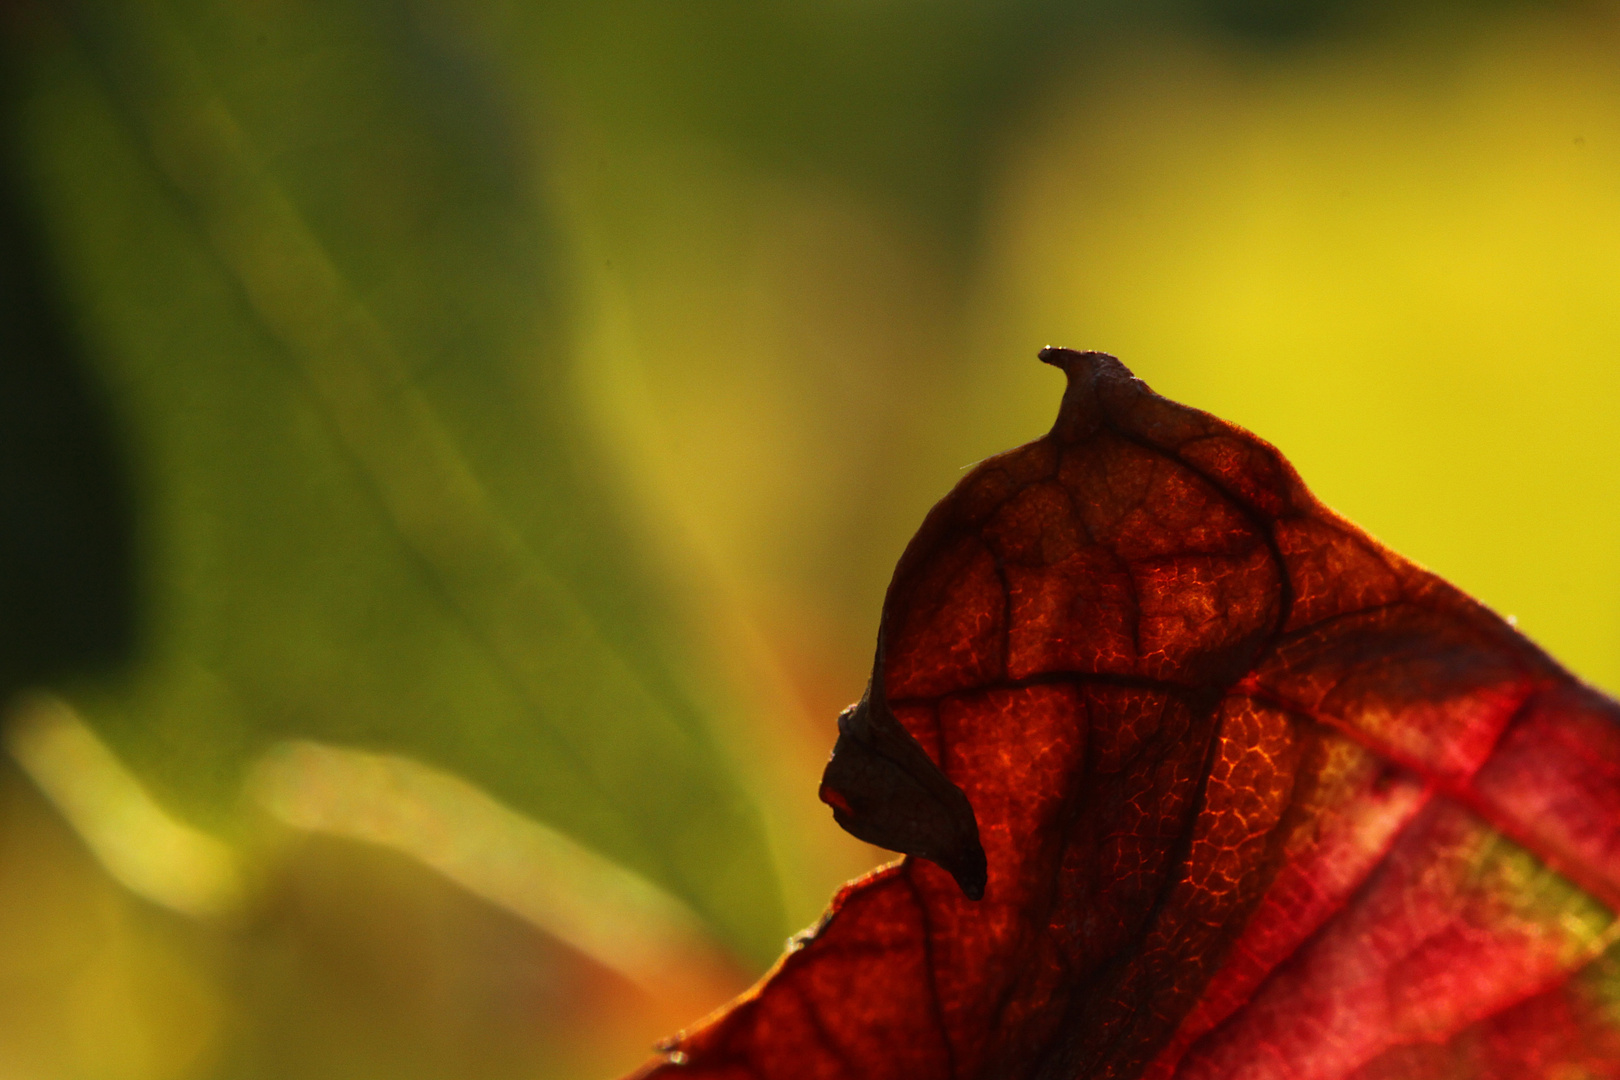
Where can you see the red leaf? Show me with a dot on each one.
(1257, 797)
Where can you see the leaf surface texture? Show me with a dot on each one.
(1258, 798)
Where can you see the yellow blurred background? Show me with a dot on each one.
(461, 365)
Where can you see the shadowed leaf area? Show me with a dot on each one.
(1256, 796)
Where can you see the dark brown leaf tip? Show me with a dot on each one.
(1092, 378)
(1070, 359)
(884, 788)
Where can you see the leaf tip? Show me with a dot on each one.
(1073, 360)
(1088, 372)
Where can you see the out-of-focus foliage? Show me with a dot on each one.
(543, 392)
(370, 518)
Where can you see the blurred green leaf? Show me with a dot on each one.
(309, 266)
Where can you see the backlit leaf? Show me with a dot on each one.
(1256, 796)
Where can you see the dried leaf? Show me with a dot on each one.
(1257, 797)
